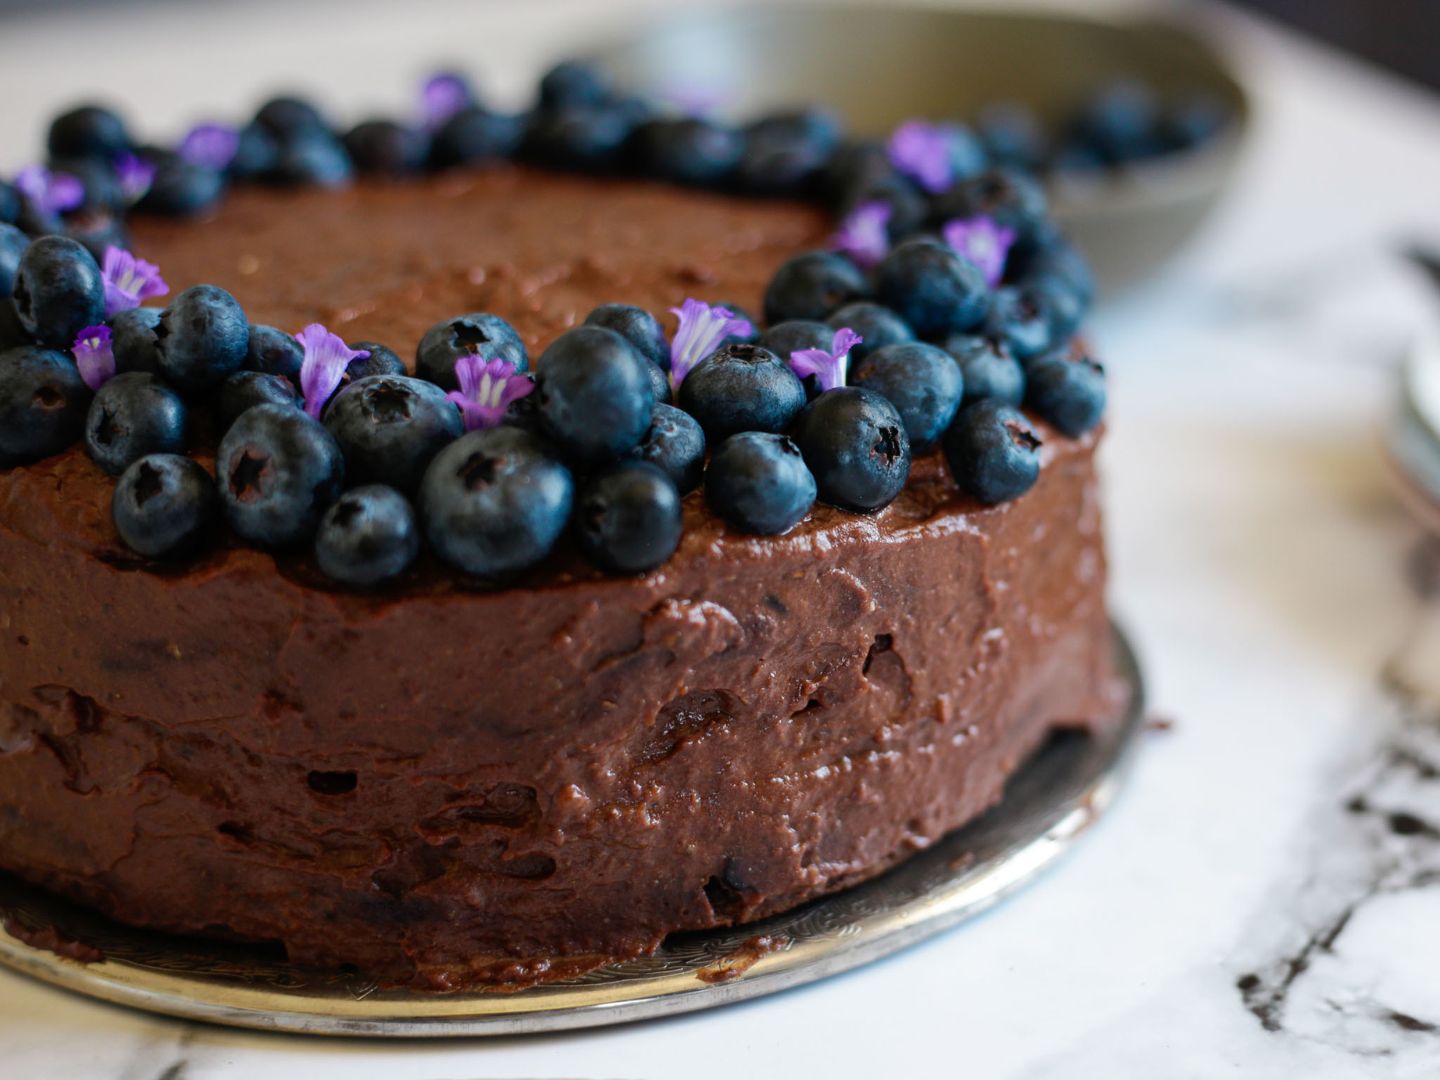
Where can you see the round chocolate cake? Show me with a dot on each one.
(525, 688)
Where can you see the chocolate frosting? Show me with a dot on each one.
(449, 782)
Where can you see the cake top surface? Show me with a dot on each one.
(503, 339)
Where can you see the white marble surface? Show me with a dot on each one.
(1280, 836)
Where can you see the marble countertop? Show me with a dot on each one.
(1264, 900)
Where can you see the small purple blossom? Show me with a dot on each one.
(211, 145)
(864, 233)
(49, 193)
(487, 387)
(134, 175)
(323, 367)
(94, 356)
(443, 95)
(129, 281)
(922, 151)
(829, 367)
(702, 329)
(983, 242)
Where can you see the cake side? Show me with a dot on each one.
(420, 785)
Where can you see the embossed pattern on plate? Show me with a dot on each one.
(1052, 801)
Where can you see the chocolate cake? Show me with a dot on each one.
(441, 776)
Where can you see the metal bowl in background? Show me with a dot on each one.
(879, 66)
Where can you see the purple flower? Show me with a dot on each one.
(922, 151)
(323, 367)
(94, 357)
(864, 233)
(134, 175)
(49, 193)
(487, 387)
(443, 95)
(983, 242)
(702, 329)
(211, 145)
(828, 367)
(128, 281)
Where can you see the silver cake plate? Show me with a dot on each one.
(1048, 805)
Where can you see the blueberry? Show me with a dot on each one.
(572, 83)
(784, 153)
(164, 506)
(1068, 391)
(1192, 122)
(659, 384)
(923, 382)
(627, 518)
(42, 404)
(97, 178)
(929, 285)
(182, 189)
(133, 415)
(676, 444)
(386, 148)
(861, 173)
(255, 154)
(278, 471)
(1012, 135)
(314, 158)
(11, 332)
(1021, 318)
(381, 361)
(787, 337)
(854, 442)
(579, 138)
(759, 483)
(1063, 304)
(811, 286)
(88, 131)
(855, 163)
(202, 337)
(58, 290)
(246, 389)
(876, 323)
(494, 502)
(742, 388)
(96, 232)
(13, 243)
(475, 135)
(989, 370)
(274, 352)
(390, 426)
(688, 150)
(476, 334)
(9, 203)
(993, 451)
(286, 117)
(1121, 122)
(967, 153)
(1061, 263)
(818, 127)
(132, 339)
(595, 395)
(1010, 198)
(637, 326)
(368, 535)
(1078, 171)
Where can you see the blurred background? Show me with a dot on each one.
(1272, 331)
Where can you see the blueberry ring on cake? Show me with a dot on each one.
(473, 548)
